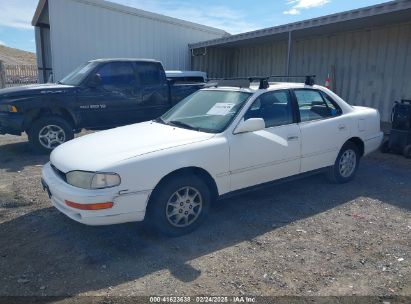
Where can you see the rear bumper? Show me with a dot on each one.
(11, 123)
(373, 143)
(126, 208)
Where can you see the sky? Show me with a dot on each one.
(232, 16)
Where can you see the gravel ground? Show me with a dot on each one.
(306, 237)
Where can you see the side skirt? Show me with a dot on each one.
(272, 183)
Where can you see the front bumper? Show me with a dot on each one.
(128, 207)
(11, 123)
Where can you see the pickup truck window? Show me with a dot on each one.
(79, 74)
(207, 110)
(188, 79)
(117, 74)
(150, 73)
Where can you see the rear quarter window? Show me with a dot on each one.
(150, 73)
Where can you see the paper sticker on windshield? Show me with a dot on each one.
(221, 109)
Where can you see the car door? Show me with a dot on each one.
(323, 128)
(115, 101)
(154, 90)
(269, 154)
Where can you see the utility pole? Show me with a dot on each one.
(289, 53)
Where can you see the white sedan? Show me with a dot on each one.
(218, 141)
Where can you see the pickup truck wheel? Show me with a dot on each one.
(346, 164)
(179, 206)
(47, 133)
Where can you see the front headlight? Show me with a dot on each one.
(8, 108)
(92, 180)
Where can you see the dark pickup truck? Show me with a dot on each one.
(100, 94)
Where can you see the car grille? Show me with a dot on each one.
(61, 174)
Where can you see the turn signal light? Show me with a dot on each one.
(97, 206)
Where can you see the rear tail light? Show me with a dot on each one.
(96, 206)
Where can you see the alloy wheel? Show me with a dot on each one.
(348, 163)
(51, 136)
(184, 207)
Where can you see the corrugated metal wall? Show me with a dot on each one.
(373, 67)
(80, 32)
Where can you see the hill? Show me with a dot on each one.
(15, 56)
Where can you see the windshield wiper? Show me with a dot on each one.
(182, 124)
(160, 120)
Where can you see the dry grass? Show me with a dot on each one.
(16, 56)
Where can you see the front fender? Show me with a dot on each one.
(144, 172)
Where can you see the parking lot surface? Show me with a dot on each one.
(306, 237)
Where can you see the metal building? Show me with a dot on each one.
(70, 32)
(367, 53)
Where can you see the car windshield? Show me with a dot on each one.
(206, 110)
(77, 76)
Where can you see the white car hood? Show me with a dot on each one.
(100, 150)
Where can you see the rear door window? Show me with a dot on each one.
(312, 105)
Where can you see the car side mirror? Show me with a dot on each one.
(95, 81)
(250, 125)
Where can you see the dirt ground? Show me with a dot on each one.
(306, 237)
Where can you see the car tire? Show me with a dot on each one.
(47, 133)
(179, 205)
(407, 151)
(346, 164)
(385, 147)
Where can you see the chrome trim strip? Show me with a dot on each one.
(242, 170)
(319, 152)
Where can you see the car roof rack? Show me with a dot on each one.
(309, 79)
(240, 82)
(244, 82)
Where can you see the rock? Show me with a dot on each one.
(42, 287)
(23, 281)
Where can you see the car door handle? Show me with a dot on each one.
(292, 137)
(341, 127)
